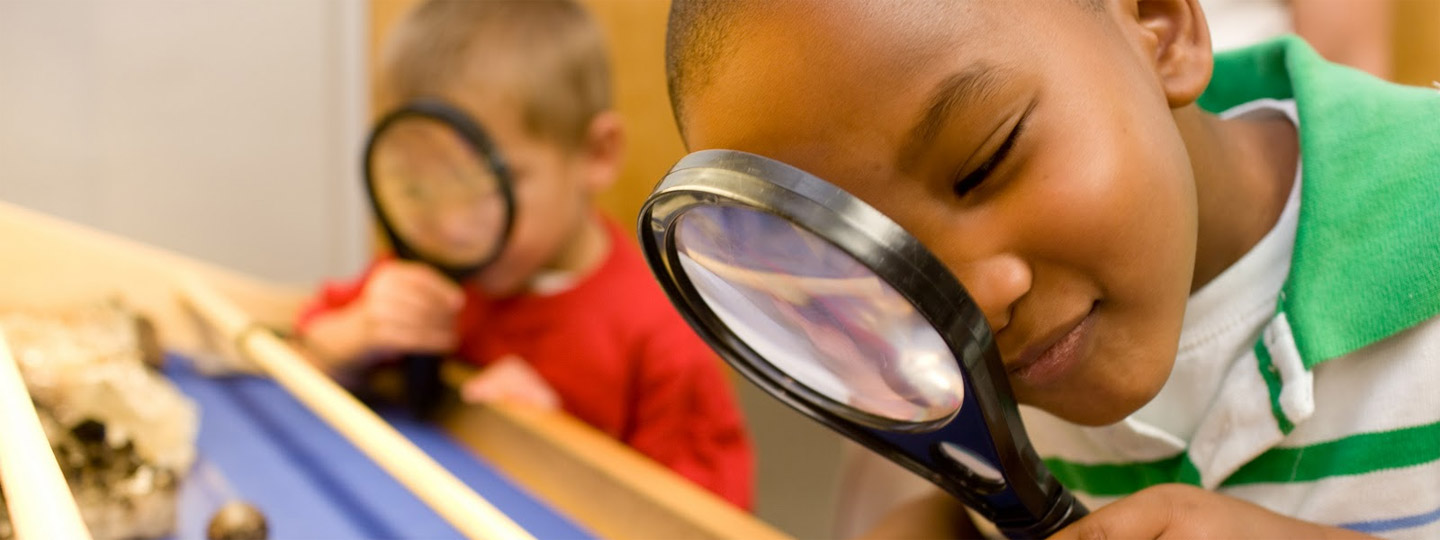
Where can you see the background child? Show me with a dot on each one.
(1357, 33)
(1173, 299)
(569, 315)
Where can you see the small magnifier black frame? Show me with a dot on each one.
(424, 388)
(473, 136)
(981, 453)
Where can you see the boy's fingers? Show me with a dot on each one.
(431, 339)
(430, 283)
(414, 339)
(414, 295)
(1184, 511)
(510, 380)
(405, 307)
(483, 387)
(1136, 516)
(476, 390)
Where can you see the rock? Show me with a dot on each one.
(237, 521)
(122, 433)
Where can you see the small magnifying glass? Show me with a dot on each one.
(831, 307)
(443, 196)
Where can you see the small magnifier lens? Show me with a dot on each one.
(818, 316)
(440, 195)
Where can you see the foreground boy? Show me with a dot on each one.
(1237, 312)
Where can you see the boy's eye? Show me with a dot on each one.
(973, 180)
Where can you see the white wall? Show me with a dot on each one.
(224, 129)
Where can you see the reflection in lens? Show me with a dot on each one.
(440, 196)
(979, 467)
(817, 314)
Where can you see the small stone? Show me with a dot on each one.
(89, 431)
(237, 521)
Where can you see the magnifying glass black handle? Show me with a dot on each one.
(423, 388)
(1064, 510)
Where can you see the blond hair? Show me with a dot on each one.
(546, 55)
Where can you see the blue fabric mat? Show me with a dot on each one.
(311, 483)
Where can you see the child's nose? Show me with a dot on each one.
(996, 283)
(456, 227)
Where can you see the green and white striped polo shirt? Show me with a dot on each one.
(1332, 416)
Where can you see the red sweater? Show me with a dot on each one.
(620, 358)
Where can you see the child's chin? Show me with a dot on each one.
(500, 286)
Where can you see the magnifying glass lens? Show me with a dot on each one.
(818, 315)
(440, 196)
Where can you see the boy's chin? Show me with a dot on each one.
(1112, 381)
(1098, 405)
(1094, 416)
(499, 286)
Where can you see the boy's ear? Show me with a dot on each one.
(1176, 39)
(604, 150)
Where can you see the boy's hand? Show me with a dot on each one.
(1181, 511)
(510, 380)
(407, 307)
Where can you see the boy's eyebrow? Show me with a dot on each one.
(978, 81)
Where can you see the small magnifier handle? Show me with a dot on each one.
(442, 195)
(423, 388)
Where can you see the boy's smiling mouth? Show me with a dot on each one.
(1048, 359)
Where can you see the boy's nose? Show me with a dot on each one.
(455, 227)
(996, 283)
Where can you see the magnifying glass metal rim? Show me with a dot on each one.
(728, 177)
(478, 141)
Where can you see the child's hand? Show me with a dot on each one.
(1181, 511)
(407, 307)
(510, 380)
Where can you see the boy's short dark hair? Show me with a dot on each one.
(695, 37)
(698, 34)
(547, 55)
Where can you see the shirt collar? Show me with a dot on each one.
(1366, 263)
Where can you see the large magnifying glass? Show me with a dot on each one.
(443, 196)
(831, 307)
